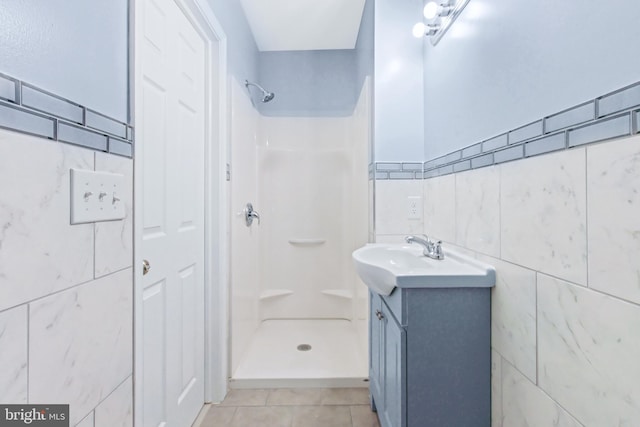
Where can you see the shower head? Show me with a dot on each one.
(266, 96)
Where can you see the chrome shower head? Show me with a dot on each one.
(266, 96)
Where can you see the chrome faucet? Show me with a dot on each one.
(431, 249)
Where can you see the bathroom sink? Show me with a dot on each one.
(383, 267)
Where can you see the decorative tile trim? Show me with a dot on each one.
(395, 170)
(513, 153)
(524, 133)
(21, 120)
(600, 131)
(44, 102)
(620, 100)
(472, 150)
(27, 109)
(8, 89)
(571, 117)
(611, 116)
(495, 143)
(547, 144)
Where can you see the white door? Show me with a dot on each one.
(171, 129)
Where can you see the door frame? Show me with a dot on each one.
(216, 270)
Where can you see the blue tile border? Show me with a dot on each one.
(47, 103)
(526, 132)
(19, 119)
(28, 109)
(620, 100)
(611, 116)
(8, 89)
(600, 131)
(571, 117)
(395, 170)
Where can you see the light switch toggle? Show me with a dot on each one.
(84, 207)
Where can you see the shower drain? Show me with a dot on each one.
(304, 347)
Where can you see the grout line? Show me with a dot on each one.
(501, 387)
(541, 390)
(28, 350)
(537, 334)
(66, 289)
(586, 212)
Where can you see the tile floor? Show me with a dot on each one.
(300, 407)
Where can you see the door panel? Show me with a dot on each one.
(172, 143)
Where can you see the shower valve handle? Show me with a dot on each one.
(250, 215)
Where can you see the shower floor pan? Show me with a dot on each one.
(303, 353)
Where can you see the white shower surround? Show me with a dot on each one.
(308, 179)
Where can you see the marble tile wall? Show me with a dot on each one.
(65, 291)
(566, 247)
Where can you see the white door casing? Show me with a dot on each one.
(178, 151)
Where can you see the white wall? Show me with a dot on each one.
(506, 63)
(65, 290)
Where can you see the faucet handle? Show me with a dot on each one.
(438, 250)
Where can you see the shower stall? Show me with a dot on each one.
(298, 309)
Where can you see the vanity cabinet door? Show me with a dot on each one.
(376, 348)
(394, 413)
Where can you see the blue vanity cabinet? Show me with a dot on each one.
(431, 357)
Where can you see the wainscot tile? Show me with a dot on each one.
(68, 363)
(513, 315)
(524, 404)
(13, 357)
(34, 219)
(478, 210)
(440, 208)
(543, 215)
(613, 183)
(588, 352)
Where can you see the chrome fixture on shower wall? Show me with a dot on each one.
(439, 16)
(266, 95)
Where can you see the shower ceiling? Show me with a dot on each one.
(304, 24)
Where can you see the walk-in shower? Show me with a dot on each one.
(298, 310)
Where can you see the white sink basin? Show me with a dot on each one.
(383, 267)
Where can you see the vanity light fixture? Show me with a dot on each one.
(440, 16)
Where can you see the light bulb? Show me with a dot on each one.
(430, 10)
(419, 30)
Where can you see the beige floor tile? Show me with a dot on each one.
(218, 416)
(346, 396)
(241, 397)
(268, 416)
(297, 396)
(321, 416)
(363, 416)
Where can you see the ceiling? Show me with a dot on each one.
(304, 24)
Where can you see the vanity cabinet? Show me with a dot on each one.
(430, 357)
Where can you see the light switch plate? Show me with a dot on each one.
(96, 196)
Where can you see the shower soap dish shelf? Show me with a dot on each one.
(340, 293)
(307, 242)
(273, 293)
